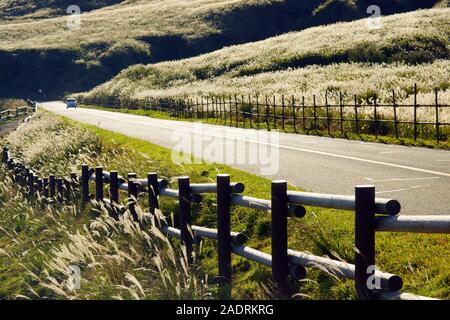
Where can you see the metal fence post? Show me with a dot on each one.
(185, 215)
(99, 183)
(84, 183)
(223, 231)
(280, 265)
(364, 239)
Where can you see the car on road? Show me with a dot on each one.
(71, 103)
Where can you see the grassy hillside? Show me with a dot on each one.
(42, 57)
(37, 9)
(347, 57)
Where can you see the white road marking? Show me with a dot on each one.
(381, 163)
(404, 179)
(388, 191)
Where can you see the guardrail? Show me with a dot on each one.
(371, 215)
(346, 114)
(9, 114)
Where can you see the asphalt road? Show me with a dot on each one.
(419, 178)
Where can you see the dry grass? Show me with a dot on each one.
(130, 20)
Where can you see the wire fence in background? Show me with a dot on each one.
(293, 114)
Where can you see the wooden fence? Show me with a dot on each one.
(371, 215)
(293, 114)
(9, 114)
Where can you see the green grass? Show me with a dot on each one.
(420, 259)
(289, 128)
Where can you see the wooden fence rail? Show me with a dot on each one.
(340, 116)
(9, 114)
(371, 215)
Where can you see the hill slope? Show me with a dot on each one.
(43, 55)
(346, 57)
(37, 9)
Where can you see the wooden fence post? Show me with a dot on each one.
(328, 113)
(153, 192)
(257, 112)
(60, 189)
(303, 114)
(395, 114)
(40, 186)
(99, 183)
(114, 187)
(375, 116)
(207, 108)
(267, 113)
(223, 234)
(243, 110)
(274, 113)
(251, 110)
(415, 111)
(341, 113)
(315, 112)
(132, 195)
(236, 108)
(283, 107)
(52, 186)
(356, 116)
(184, 190)
(84, 183)
(293, 114)
(5, 155)
(230, 105)
(280, 265)
(437, 113)
(45, 187)
(364, 239)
